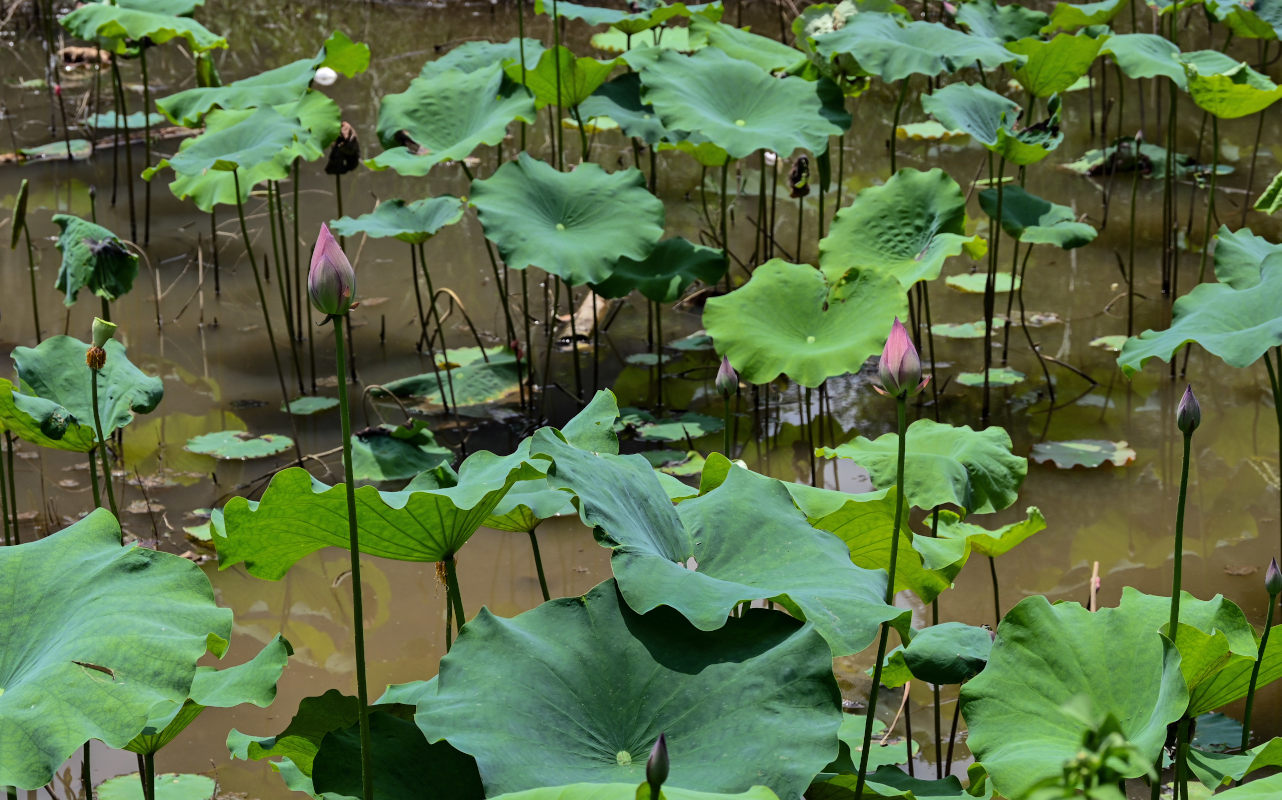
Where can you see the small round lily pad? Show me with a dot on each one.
(239, 445)
(168, 787)
(973, 283)
(310, 405)
(1088, 453)
(1000, 376)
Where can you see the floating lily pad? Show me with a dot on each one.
(648, 359)
(81, 149)
(394, 452)
(964, 330)
(1111, 343)
(468, 379)
(1149, 159)
(997, 376)
(688, 425)
(929, 131)
(974, 282)
(169, 786)
(699, 340)
(310, 405)
(239, 445)
(93, 258)
(1087, 453)
(111, 120)
(409, 222)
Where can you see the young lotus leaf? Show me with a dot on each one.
(982, 540)
(907, 228)
(1088, 453)
(43, 422)
(1235, 325)
(467, 380)
(1261, 19)
(1003, 23)
(1228, 90)
(447, 116)
(1070, 16)
(89, 657)
(1110, 661)
(892, 50)
(787, 320)
(571, 224)
(396, 452)
(620, 101)
(770, 54)
(473, 56)
(273, 87)
(944, 464)
(1032, 220)
(951, 652)
(93, 258)
(55, 370)
(587, 706)
(991, 119)
(628, 791)
(671, 268)
(1216, 769)
(1146, 55)
(741, 107)
(298, 515)
(1239, 255)
(1054, 65)
(742, 551)
(409, 222)
(169, 786)
(118, 28)
(239, 445)
(579, 77)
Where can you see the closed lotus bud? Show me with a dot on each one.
(900, 366)
(1273, 579)
(727, 379)
(331, 281)
(656, 769)
(1188, 415)
(103, 331)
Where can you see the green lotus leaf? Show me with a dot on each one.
(991, 543)
(446, 116)
(275, 86)
(851, 737)
(1088, 453)
(239, 445)
(944, 464)
(118, 28)
(89, 657)
(1003, 23)
(1230, 680)
(43, 422)
(177, 8)
(1239, 255)
(409, 222)
(620, 101)
(741, 107)
(628, 791)
(1110, 662)
(697, 147)
(1220, 769)
(305, 406)
(639, 50)
(976, 283)
(112, 121)
(169, 786)
(1262, 789)
(963, 330)
(469, 379)
(247, 142)
(93, 258)
(298, 515)
(951, 652)
(892, 50)
(628, 22)
(997, 376)
(990, 119)
(600, 682)
(568, 223)
(55, 370)
(743, 45)
(1235, 325)
(1146, 55)
(1228, 91)
(396, 452)
(679, 428)
(1032, 220)
(253, 682)
(788, 320)
(1269, 201)
(1070, 16)
(671, 268)
(890, 782)
(473, 56)
(300, 740)
(907, 228)
(1261, 19)
(579, 77)
(1054, 65)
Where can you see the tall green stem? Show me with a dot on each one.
(358, 605)
(452, 588)
(146, 142)
(1255, 674)
(1172, 628)
(538, 565)
(102, 448)
(902, 403)
(31, 269)
(1277, 404)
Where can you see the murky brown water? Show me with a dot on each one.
(219, 374)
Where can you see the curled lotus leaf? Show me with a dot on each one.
(1239, 256)
(119, 28)
(1249, 19)
(93, 258)
(43, 422)
(1055, 64)
(476, 55)
(409, 222)
(1070, 16)
(1032, 220)
(671, 268)
(1226, 88)
(892, 49)
(1005, 23)
(993, 121)
(559, 78)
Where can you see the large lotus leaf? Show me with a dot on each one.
(864, 522)
(951, 652)
(741, 107)
(575, 225)
(88, 657)
(1231, 680)
(1046, 661)
(577, 78)
(1228, 91)
(167, 786)
(55, 370)
(93, 258)
(1032, 220)
(1239, 256)
(244, 144)
(648, 15)
(118, 28)
(298, 515)
(787, 320)
(467, 380)
(991, 543)
(1236, 325)
(473, 56)
(299, 742)
(742, 551)
(1262, 789)
(666, 273)
(410, 222)
(273, 87)
(907, 228)
(620, 101)
(1054, 65)
(178, 8)
(43, 422)
(991, 119)
(892, 50)
(943, 464)
(1261, 19)
(1146, 55)
(628, 791)
(447, 116)
(598, 683)
(1070, 16)
(396, 452)
(1003, 23)
(770, 54)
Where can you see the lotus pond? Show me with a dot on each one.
(650, 498)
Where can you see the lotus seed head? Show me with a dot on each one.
(103, 331)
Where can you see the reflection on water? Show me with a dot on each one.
(218, 373)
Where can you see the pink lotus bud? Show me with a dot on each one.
(656, 768)
(727, 379)
(1273, 579)
(331, 281)
(900, 367)
(1188, 415)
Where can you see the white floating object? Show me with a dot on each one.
(326, 76)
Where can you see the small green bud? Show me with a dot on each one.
(103, 331)
(1273, 579)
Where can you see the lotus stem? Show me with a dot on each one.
(445, 355)
(725, 242)
(86, 771)
(282, 277)
(1130, 258)
(146, 141)
(557, 134)
(908, 729)
(990, 288)
(13, 491)
(538, 565)
(31, 269)
(901, 402)
(1255, 673)
(934, 620)
(149, 778)
(1177, 575)
(300, 279)
(452, 589)
(1010, 296)
(4, 500)
(122, 122)
(894, 125)
(358, 606)
(1210, 196)
(1277, 408)
(727, 411)
(574, 341)
(952, 736)
(102, 448)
